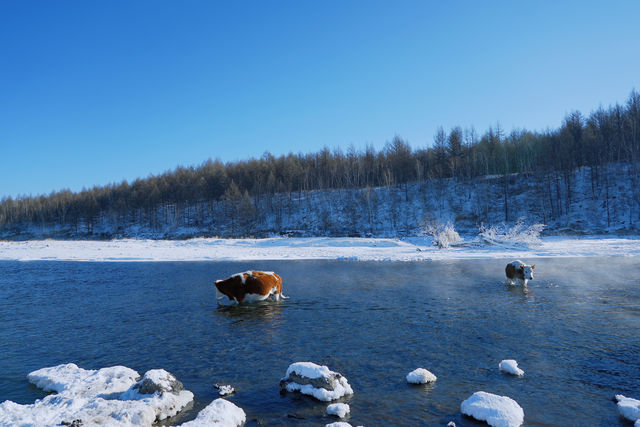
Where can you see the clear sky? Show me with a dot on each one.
(94, 92)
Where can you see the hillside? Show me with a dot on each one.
(603, 200)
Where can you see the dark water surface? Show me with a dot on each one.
(575, 332)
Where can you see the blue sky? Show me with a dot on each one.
(94, 92)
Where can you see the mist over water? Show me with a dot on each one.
(574, 331)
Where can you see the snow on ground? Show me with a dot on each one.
(108, 396)
(510, 366)
(282, 248)
(497, 411)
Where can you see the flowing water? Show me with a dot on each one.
(575, 331)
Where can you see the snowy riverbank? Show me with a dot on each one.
(361, 249)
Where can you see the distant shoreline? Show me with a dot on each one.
(314, 248)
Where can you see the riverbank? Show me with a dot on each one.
(357, 249)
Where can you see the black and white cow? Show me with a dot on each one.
(517, 270)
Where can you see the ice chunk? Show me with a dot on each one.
(510, 366)
(220, 413)
(82, 382)
(315, 380)
(497, 411)
(629, 408)
(420, 376)
(338, 424)
(224, 390)
(108, 396)
(338, 409)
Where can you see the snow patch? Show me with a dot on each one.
(629, 408)
(443, 236)
(224, 390)
(517, 235)
(510, 366)
(420, 376)
(219, 413)
(353, 248)
(497, 411)
(308, 369)
(315, 380)
(108, 396)
(69, 378)
(338, 409)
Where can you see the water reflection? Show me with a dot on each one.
(262, 310)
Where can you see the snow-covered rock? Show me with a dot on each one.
(315, 380)
(497, 411)
(219, 413)
(158, 381)
(338, 409)
(69, 378)
(510, 366)
(420, 376)
(108, 396)
(629, 408)
(224, 390)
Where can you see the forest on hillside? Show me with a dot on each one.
(605, 137)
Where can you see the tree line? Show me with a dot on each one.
(605, 136)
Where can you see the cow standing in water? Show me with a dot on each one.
(251, 286)
(517, 270)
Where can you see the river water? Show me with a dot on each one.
(574, 330)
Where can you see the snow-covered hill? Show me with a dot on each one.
(603, 200)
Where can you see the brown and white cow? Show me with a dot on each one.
(251, 286)
(517, 270)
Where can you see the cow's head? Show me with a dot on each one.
(226, 286)
(527, 271)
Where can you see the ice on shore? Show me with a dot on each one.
(420, 376)
(108, 396)
(340, 410)
(280, 248)
(315, 380)
(510, 366)
(497, 411)
(629, 408)
(219, 413)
